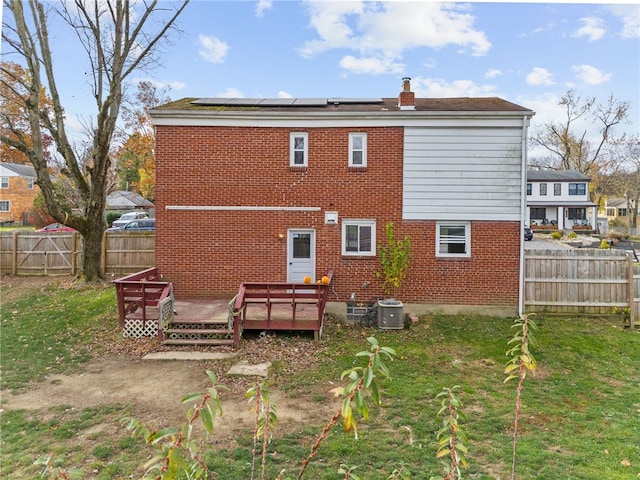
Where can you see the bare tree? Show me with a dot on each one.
(626, 183)
(570, 149)
(119, 37)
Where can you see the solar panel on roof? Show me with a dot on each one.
(310, 102)
(277, 102)
(283, 102)
(354, 100)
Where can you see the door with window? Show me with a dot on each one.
(301, 255)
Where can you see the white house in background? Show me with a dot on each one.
(124, 201)
(560, 197)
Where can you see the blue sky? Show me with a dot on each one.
(527, 53)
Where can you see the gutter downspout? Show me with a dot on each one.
(523, 211)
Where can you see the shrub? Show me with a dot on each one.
(572, 235)
(604, 244)
(556, 235)
(111, 216)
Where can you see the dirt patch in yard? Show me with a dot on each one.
(153, 389)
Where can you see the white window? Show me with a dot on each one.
(5, 206)
(357, 149)
(299, 149)
(453, 239)
(4, 182)
(359, 237)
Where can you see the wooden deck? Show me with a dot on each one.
(147, 307)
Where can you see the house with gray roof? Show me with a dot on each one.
(560, 199)
(17, 192)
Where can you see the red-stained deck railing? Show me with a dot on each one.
(139, 297)
(280, 306)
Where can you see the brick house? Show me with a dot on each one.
(277, 189)
(17, 191)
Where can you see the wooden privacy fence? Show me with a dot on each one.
(31, 253)
(582, 281)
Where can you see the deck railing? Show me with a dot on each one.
(256, 302)
(145, 303)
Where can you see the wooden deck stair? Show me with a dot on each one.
(196, 331)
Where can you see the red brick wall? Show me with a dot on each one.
(20, 198)
(209, 253)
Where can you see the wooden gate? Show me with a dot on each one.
(51, 254)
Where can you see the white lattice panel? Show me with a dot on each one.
(139, 329)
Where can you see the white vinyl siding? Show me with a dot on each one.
(469, 172)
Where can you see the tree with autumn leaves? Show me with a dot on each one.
(14, 121)
(119, 38)
(136, 168)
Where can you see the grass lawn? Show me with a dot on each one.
(580, 417)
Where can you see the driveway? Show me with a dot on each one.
(538, 243)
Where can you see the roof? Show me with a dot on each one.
(463, 104)
(20, 169)
(121, 199)
(615, 202)
(556, 175)
(563, 203)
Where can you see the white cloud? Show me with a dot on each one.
(592, 28)
(231, 92)
(438, 88)
(591, 75)
(262, 6)
(175, 85)
(371, 65)
(492, 73)
(540, 76)
(283, 94)
(212, 49)
(630, 17)
(384, 30)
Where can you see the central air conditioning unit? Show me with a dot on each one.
(390, 314)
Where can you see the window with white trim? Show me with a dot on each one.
(357, 149)
(5, 206)
(4, 182)
(299, 149)
(577, 189)
(359, 237)
(453, 239)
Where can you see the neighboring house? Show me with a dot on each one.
(278, 189)
(17, 191)
(123, 201)
(560, 199)
(617, 209)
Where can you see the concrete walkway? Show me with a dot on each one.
(243, 368)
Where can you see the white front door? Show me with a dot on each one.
(301, 255)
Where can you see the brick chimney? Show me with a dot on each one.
(406, 99)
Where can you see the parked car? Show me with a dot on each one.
(127, 217)
(145, 224)
(528, 233)
(56, 227)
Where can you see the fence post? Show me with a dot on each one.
(103, 260)
(633, 306)
(14, 254)
(74, 253)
